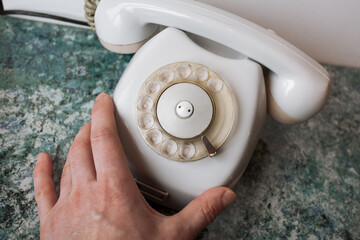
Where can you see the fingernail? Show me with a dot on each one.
(228, 198)
(100, 96)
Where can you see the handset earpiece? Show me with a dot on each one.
(298, 86)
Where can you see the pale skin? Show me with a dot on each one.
(99, 198)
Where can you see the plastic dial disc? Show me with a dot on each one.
(178, 104)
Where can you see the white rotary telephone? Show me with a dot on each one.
(189, 114)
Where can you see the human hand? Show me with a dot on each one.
(99, 198)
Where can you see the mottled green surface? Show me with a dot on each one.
(303, 182)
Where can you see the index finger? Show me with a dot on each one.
(109, 158)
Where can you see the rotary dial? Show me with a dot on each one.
(185, 111)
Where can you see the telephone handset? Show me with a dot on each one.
(299, 85)
(177, 101)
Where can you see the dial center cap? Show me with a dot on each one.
(184, 110)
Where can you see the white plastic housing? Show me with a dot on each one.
(186, 180)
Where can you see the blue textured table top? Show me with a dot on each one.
(303, 181)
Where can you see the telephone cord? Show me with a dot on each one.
(90, 8)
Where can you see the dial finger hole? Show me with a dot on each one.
(183, 70)
(155, 136)
(145, 103)
(169, 147)
(152, 88)
(215, 84)
(166, 75)
(146, 121)
(187, 150)
(201, 74)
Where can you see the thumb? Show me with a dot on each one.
(204, 209)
